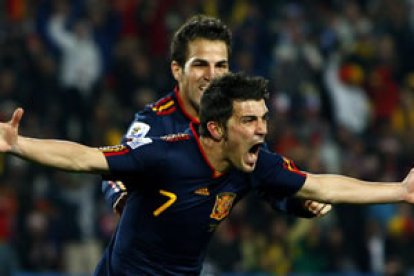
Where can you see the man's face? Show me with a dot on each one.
(206, 60)
(246, 131)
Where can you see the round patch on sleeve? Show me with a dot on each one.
(137, 130)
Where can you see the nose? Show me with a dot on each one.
(210, 72)
(261, 128)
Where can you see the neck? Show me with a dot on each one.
(189, 110)
(215, 154)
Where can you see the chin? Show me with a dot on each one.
(248, 168)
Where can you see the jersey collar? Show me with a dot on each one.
(193, 128)
(181, 106)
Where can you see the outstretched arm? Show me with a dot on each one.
(59, 154)
(342, 189)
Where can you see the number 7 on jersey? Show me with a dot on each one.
(171, 199)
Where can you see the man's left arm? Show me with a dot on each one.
(286, 172)
(343, 189)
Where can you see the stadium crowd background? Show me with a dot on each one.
(342, 101)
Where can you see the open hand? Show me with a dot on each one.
(9, 131)
(409, 187)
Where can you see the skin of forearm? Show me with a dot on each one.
(59, 154)
(343, 189)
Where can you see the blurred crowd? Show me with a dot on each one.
(342, 101)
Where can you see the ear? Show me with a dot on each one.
(176, 70)
(216, 131)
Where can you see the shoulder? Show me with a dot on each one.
(155, 119)
(177, 144)
(271, 160)
(266, 157)
(161, 143)
(168, 150)
(164, 106)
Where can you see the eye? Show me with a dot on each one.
(198, 64)
(223, 65)
(248, 119)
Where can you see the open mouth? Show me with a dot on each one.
(255, 149)
(203, 88)
(252, 155)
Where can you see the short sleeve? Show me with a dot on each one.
(137, 156)
(277, 176)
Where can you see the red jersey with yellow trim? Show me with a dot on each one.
(179, 200)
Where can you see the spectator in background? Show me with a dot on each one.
(350, 102)
(400, 236)
(276, 257)
(402, 119)
(8, 208)
(382, 86)
(80, 68)
(82, 62)
(297, 61)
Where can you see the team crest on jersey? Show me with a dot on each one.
(175, 137)
(137, 142)
(222, 207)
(137, 130)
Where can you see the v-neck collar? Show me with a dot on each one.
(215, 173)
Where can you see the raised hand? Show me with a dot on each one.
(409, 187)
(9, 131)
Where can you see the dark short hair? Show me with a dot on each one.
(217, 100)
(198, 26)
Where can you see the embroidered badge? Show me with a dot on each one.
(137, 130)
(222, 207)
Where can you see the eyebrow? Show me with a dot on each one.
(200, 60)
(265, 115)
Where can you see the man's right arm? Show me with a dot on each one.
(59, 154)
